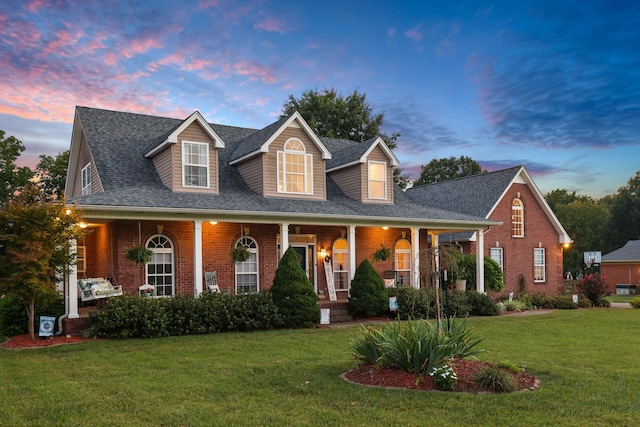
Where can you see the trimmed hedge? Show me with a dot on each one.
(368, 295)
(420, 303)
(135, 317)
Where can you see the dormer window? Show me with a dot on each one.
(86, 180)
(295, 168)
(195, 164)
(377, 180)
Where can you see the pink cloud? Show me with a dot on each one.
(254, 71)
(141, 46)
(272, 25)
(414, 34)
(33, 5)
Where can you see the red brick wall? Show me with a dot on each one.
(619, 274)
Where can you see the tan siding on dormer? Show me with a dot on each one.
(377, 155)
(349, 180)
(271, 166)
(194, 133)
(163, 163)
(251, 171)
(84, 158)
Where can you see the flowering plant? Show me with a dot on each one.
(594, 287)
(444, 377)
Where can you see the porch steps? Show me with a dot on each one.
(339, 311)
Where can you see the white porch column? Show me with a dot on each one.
(480, 261)
(197, 257)
(352, 252)
(415, 256)
(284, 238)
(71, 293)
(436, 259)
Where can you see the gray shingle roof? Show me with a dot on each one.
(344, 152)
(472, 195)
(629, 252)
(253, 142)
(118, 142)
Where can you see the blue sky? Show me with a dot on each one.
(552, 85)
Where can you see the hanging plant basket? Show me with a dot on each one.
(240, 254)
(381, 254)
(138, 254)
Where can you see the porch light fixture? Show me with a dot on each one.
(385, 228)
(213, 222)
(83, 224)
(323, 252)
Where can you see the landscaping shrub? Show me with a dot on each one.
(514, 305)
(368, 296)
(635, 302)
(414, 303)
(540, 300)
(420, 303)
(135, 317)
(293, 294)
(496, 379)
(563, 302)
(456, 304)
(13, 315)
(594, 287)
(481, 304)
(415, 346)
(493, 277)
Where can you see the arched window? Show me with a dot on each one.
(517, 218)
(295, 168)
(341, 264)
(160, 268)
(247, 271)
(403, 262)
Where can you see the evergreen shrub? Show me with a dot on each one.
(293, 294)
(368, 296)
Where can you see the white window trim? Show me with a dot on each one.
(257, 272)
(501, 252)
(281, 160)
(185, 163)
(521, 222)
(370, 180)
(543, 265)
(86, 179)
(165, 250)
(81, 259)
(407, 253)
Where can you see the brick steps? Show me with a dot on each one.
(339, 311)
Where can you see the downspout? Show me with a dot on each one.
(65, 290)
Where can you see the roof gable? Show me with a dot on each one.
(260, 141)
(352, 153)
(172, 136)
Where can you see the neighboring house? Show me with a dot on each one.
(191, 191)
(622, 266)
(530, 240)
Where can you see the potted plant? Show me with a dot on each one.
(381, 254)
(138, 254)
(240, 254)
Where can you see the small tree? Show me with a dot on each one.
(293, 293)
(594, 287)
(369, 297)
(35, 237)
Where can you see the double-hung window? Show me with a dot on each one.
(341, 264)
(195, 164)
(247, 271)
(86, 180)
(496, 255)
(538, 265)
(295, 168)
(377, 180)
(403, 262)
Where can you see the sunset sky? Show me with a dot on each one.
(552, 85)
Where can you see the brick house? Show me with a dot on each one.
(191, 191)
(622, 266)
(530, 241)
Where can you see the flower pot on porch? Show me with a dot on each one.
(461, 284)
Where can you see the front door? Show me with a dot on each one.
(305, 254)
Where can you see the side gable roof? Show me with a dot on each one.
(259, 142)
(630, 252)
(353, 153)
(480, 194)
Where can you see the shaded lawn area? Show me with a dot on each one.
(586, 361)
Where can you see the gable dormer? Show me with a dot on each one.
(364, 171)
(83, 178)
(285, 159)
(187, 158)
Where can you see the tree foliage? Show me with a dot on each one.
(12, 177)
(293, 293)
(35, 236)
(52, 174)
(447, 168)
(624, 224)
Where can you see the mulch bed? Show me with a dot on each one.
(23, 341)
(366, 374)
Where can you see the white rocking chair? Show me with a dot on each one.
(211, 281)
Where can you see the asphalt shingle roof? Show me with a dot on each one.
(629, 252)
(118, 142)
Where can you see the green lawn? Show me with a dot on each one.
(585, 359)
(621, 298)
